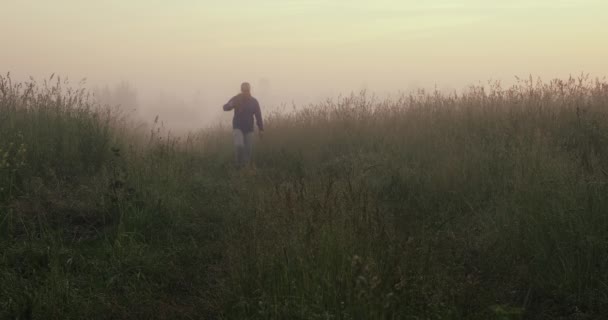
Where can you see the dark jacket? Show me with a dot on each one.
(245, 109)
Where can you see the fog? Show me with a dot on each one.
(183, 60)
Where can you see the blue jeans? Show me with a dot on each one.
(243, 143)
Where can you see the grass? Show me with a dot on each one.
(484, 205)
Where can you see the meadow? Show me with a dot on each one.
(486, 204)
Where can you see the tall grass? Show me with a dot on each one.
(488, 204)
(97, 220)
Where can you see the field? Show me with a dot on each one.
(490, 204)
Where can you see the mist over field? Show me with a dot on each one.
(185, 59)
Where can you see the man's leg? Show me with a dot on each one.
(248, 148)
(239, 146)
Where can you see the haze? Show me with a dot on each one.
(198, 52)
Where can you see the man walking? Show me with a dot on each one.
(245, 109)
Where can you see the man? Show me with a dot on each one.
(245, 109)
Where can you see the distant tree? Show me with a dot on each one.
(123, 95)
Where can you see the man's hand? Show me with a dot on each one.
(229, 106)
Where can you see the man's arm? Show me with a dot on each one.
(258, 117)
(230, 105)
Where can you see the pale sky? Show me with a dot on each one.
(306, 50)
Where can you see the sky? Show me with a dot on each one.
(298, 51)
